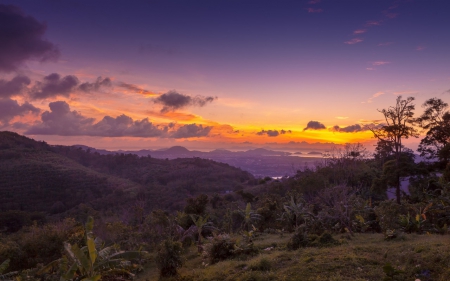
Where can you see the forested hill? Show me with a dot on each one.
(35, 176)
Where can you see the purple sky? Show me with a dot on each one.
(236, 69)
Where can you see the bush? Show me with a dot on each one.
(298, 240)
(220, 247)
(168, 258)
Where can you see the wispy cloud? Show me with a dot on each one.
(341, 117)
(375, 121)
(385, 43)
(313, 10)
(378, 63)
(420, 48)
(354, 41)
(370, 68)
(374, 96)
(359, 31)
(136, 89)
(314, 1)
(373, 22)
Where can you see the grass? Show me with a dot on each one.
(424, 257)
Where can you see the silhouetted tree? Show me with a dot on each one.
(399, 119)
(436, 121)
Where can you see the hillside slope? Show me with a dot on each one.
(35, 176)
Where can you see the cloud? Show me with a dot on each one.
(359, 31)
(349, 129)
(13, 87)
(385, 43)
(93, 87)
(314, 125)
(354, 41)
(313, 10)
(60, 120)
(341, 117)
(10, 108)
(270, 133)
(373, 23)
(314, 1)
(191, 131)
(135, 89)
(375, 121)
(123, 125)
(273, 133)
(370, 68)
(173, 100)
(22, 39)
(376, 95)
(53, 86)
(378, 63)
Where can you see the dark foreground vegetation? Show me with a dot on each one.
(69, 214)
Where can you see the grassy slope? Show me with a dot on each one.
(361, 258)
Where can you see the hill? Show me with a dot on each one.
(35, 176)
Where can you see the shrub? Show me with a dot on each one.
(168, 258)
(220, 247)
(298, 240)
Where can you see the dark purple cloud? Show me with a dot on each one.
(173, 100)
(123, 125)
(60, 120)
(314, 125)
(191, 131)
(13, 87)
(349, 129)
(10, 108)
(96, 85)
(355, 128)
(272, 133)
(53, 86)
(21, 39)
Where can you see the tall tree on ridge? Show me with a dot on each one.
(399, 125)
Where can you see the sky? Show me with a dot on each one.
(216, 74)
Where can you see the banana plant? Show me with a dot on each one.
(91, 262)
(250, 217)
(295, 212)
(201, 223)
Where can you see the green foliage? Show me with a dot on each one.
(388, 214)
(38, 244)
(91, 262)
(249, 216)
(302, 239)
(196, 206)
(219, 247)
(169, 258)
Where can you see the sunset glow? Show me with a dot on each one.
(216, 74)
